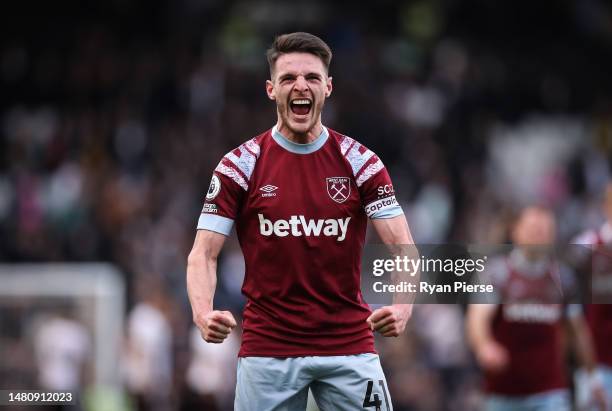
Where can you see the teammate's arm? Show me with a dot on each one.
(214, 325)
(391, 320)
(491, 355)
(582, 342)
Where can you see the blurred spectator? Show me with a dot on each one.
(148, 358)
(441, 328)
(62, 346)
(211, 374)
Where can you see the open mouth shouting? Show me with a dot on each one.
(301, 106)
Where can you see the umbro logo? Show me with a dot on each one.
(268, 190)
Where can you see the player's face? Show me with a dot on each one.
(299, 86)
(535, 227)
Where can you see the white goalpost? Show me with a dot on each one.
(96, 289)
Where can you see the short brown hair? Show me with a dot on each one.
(299, 42)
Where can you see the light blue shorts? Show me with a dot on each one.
(584, 398)
(556, 400)
(338, 383)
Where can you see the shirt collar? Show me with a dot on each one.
(300, 148)
(530, 268)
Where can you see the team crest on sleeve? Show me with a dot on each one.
(338, 188)
(214, 188)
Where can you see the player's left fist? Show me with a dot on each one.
(391, 320)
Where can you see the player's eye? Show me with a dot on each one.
(313, 78)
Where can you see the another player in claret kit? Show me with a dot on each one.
(520, 343)
(599, 315)
(300, 196)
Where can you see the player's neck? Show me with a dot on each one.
(534, 253)
(300, 138)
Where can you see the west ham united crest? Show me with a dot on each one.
(338, 188)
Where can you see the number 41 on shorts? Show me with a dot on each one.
(374, 401)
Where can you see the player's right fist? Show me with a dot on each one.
(215, 326)
(492, 356)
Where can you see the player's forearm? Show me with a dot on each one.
(201, 282)
(393, 231)
(583, 344)
(404, 276)
(478, 327)
(395, 234)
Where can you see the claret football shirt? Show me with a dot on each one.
(599, 316)
(529, 325)
(301, 212)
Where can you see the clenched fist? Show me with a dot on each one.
(492, 356)
(391, 320)
(215, 326)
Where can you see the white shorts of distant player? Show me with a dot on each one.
(339, 383)
(555, 400)
(584, 400)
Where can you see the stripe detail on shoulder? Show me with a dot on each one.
(252, 146)
(233, 174)
(345, 144)
(245, 161)
(369, 171)
(357, 158)
(239, 163)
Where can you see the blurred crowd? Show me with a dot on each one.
(114, 114)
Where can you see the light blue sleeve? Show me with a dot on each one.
(216, 223)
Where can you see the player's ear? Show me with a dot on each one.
(270, 90)
(329, 87)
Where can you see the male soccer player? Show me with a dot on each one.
(599, 316)
(300, 195)
(520, 343)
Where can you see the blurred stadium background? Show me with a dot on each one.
(113, 115)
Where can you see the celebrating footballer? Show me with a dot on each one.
(300, 196)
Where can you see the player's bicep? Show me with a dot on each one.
(207, 244)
